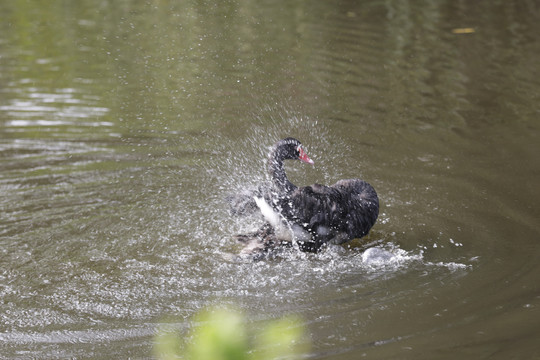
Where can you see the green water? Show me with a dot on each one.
(124, 125)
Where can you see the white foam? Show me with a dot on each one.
(377, 256)
(394, 257)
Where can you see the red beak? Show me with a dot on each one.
(303, 156)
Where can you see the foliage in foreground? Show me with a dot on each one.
(221, 334)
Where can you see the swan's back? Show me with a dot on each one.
(363, 206)
(337, 213)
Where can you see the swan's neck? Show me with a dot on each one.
(277, 173)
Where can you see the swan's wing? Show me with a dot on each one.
(362, 205)
(269, 214)
(283, 231)
(243, 202)
(337, 213)
(358, 189)
(318, 209)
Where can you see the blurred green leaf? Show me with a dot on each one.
(281, 338)
(220, 334)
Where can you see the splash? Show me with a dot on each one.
(239, 164)
(391, 257)
(242, 165)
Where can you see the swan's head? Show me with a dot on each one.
(292, 149)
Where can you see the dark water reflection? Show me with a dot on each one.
(123, 125)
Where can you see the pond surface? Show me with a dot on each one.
(125, 124)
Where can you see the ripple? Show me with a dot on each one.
(48, 123)
(77, 336)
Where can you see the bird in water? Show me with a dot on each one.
(310, 216)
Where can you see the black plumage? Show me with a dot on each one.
(312, 215)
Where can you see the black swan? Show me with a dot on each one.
(310, 216)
